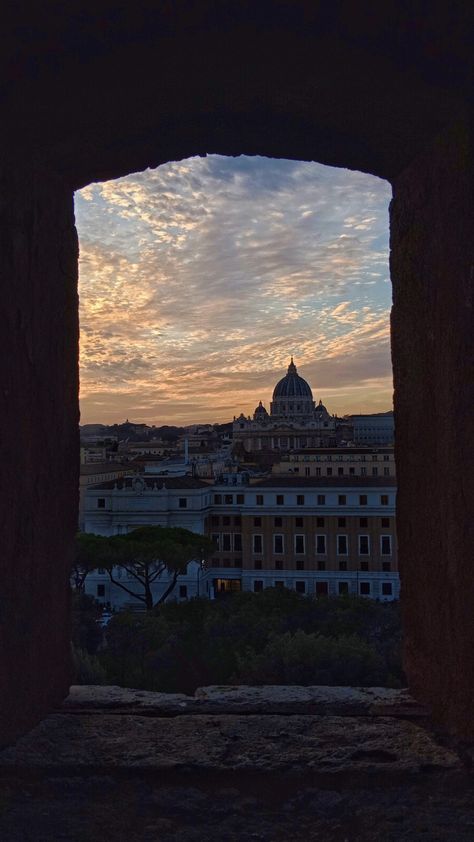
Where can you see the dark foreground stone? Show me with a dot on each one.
(102, 769)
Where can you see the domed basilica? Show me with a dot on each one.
(294, 421)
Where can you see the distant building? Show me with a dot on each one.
(294, 420)
(317, 535)
(378, 428)
(338, 462)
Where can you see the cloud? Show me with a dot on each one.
(200, 278)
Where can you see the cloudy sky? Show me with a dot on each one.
(199, 279)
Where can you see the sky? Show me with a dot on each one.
(200, 278)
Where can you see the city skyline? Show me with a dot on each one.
(199, 280)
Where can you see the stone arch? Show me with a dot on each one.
(95, 95)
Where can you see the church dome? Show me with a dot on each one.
(292, 385)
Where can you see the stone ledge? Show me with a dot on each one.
(241, 699)
(300, 745)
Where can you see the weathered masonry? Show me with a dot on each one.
(90, 95)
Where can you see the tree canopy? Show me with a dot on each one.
(144, 555)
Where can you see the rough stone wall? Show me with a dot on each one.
(39, 441)
(432, 268)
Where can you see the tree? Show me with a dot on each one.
(146, 553)
(90, 552)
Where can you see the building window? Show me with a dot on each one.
(341, 522)
(300, 499)
(320, 545)
(387, 589)
(278, 564)
(364, 565)
(375, 472)
(342, 544)
(183, 503)
(364, 546)
(298, 522)
(226, 542)
(258, 585)
(322, 589)
(363, 521)
(386, 566)
(384, 499)
(226, 521)
(340, 472)
(386, 544)
(341, 500)
(259, 499)
(278, 544)
(215, 520)
(257, 521)
(342, 588)
(228, 499)
(299, 544)
(240, 499)
(318, 472)
(278, 521)
(385, 522)
(257, 564)
(321, 499)
(101, 571)
(237, 520)
(100, 590)
(329, 472)
(363, 472)
(320, 522)
(280, 500)
(386, 472)
(364, 588)
(183, 591)
(374, 457)
(321, 565)
(101, 502)
(258, 543)
(300, 587)
(216, 539)
(386, 458)
(279, 583)
(351, 472)
(217, 499)
(362, 499)
(300, 564)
